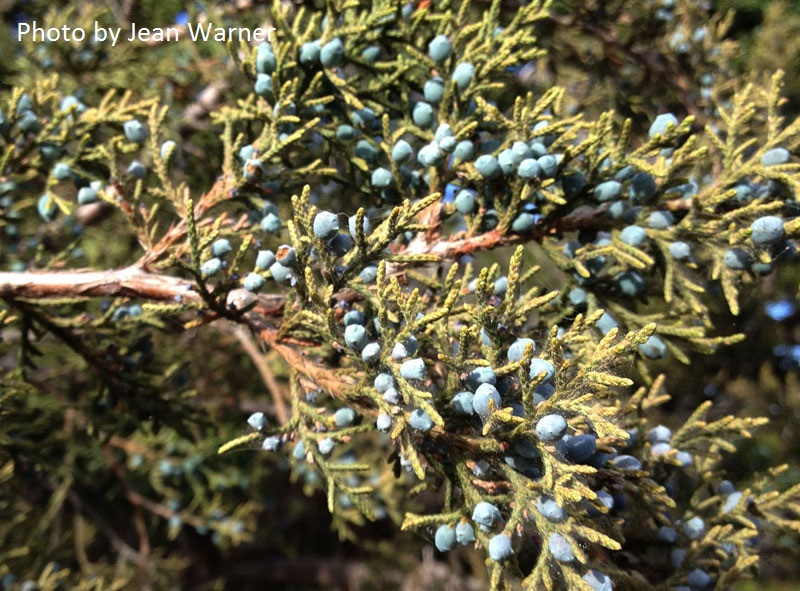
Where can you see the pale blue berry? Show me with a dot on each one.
(662, 123)
(487, 166)
(401, 151)
(486, 515)
(420, 420)
(659, 434)
(598, 581)
(548, 165)
(346, 132)
(731, 502)
(660, 220)
(257, 421)
(211, 267)
(286, 255)
(355, 336)
(500, 548)
(326, 446)
(332, 53)
(383, 423)
(265, 259)
(465, 534)
(633, 235)
(351, 225)
(445, 538)
(383, 381)
(413, 369)
(299, 451)
(371, 54)
(694, 528)
(775, 157)
(517, 349)
(660, 449)
(392, 396)
(444, 130)
(766, 230)
(465, 201)
(528, 168)
(698, 579)
(607, 190)
(167, 149)
(137, 170)
(271, 443)
(62, 171)
(630, 283)
(430, 155)
(481, 375)
(524, 222)
(551, 427)
(551, 510)
(606, 323)
(422, 115)
(440, 48)
(326, 225)
(263, 85)
(135, 131)
(87, 195)
(265, 59)
(680, 251)
(369, 274)
(480, 401)
(433, 90)
(737, 259)
(280, 273)
(253, 282)
(220, 247)
(371, 353)
(560, 548)
(463, 75)
(399, 352)
(344, 417)
(381, 178)
(539, 365)
(464, 150)
(309, 53)
(462, 403)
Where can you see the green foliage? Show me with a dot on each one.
(114, 453)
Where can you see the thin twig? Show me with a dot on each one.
(260, 361)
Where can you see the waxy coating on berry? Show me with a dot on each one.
(257, 421)
(420, 420)
(135, 131)
(551, 427)
(560, 549)
(326, 225)
(486, 515)
(500, 548)
(662, 123)
(344, 417)
(440, 48)
(332, 53)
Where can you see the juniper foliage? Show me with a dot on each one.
(326, 205)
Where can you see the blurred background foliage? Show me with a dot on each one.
(262, 532)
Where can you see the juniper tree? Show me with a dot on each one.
(459, 283)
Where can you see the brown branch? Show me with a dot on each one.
(127, 282)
